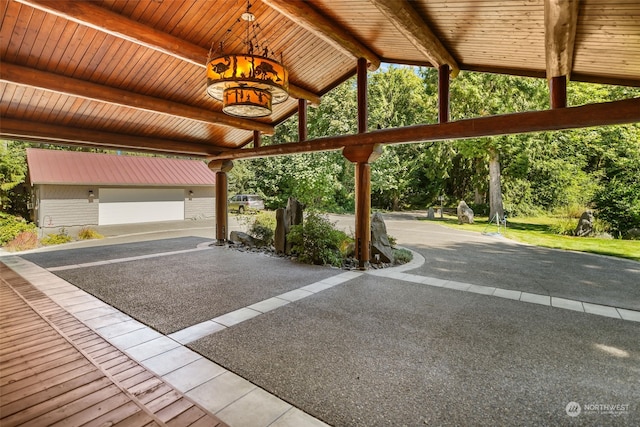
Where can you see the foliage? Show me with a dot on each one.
(402, 256)
(87, 233)
(13, 169)
(317, 241)
(24, 241)
(56, 239)
(11, 226)
(263, 227)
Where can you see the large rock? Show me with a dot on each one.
(380, 241)
(240, 238)
(431, 214)
(280, 238)
(285, 218)
(585, 224)
(465, 213)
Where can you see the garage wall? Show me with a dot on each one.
(200, 205)
(66, 206)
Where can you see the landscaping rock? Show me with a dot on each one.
(280, 238)
(240, 238)
(465, 213)
(585, 225)
(431, 214)
(380, 241)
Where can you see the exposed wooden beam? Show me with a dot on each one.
(560, 23)
(56, 83)
(303, 14)
(443, 93)
(91, 15)
(407, 20)
(66, 135)
(602, 114)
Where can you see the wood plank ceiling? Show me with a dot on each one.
(131, 74)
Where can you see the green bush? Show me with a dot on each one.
(89, 233)
(263, 227)
(25, 240)
(316, 241)
(56, 239)
(402, 256)
(11, 226)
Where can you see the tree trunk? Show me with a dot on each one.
(478, 194)
(495, 188)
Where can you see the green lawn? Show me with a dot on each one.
(536, 231)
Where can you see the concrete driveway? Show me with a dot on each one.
(485, 332)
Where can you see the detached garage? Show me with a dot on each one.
(71, 188)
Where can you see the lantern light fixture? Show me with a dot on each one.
(247, 84)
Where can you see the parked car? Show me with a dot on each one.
(246, 202)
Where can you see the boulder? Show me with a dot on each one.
(465, 213)
(585, 225)
(280, 238)
(380, 241)
(240, 238)
(633, 234)
(431, 214)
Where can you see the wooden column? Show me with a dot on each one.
(257, 139)
(221, 167)
(443, 93)
(361, 156)
(558, 91)
(302, 119)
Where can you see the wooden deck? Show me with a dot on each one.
(54, 370)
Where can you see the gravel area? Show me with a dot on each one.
(67, 256)
(378, 352)
(173, 292)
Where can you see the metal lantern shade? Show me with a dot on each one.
(247, 84)
(246, 102)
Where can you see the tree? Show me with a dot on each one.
(13, 170)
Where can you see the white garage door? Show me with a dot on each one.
(131, 205)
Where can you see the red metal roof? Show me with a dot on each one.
(80, 168)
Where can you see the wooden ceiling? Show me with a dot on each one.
(131, 74)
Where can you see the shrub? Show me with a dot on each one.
(24, 241)
(316, 241)
(89, 233)
(402, 256)
(263, 227)
(56, 239)
(564, 226)
(11, 226)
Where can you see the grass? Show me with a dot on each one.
(538, 231)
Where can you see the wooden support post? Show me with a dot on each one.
(221, 167)
(302, 119)
(443, 93)
(363, 114)
(362, 156)
(363, 214)
(558, 91)
(257, 139)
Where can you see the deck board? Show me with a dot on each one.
(54, 370)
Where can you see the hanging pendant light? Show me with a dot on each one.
(247, 84)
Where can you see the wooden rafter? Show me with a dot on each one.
(560, 23)
(602, 114)
(56, 83)
(408, 22)
(304, 15)
(67, 135)
(96, 17)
